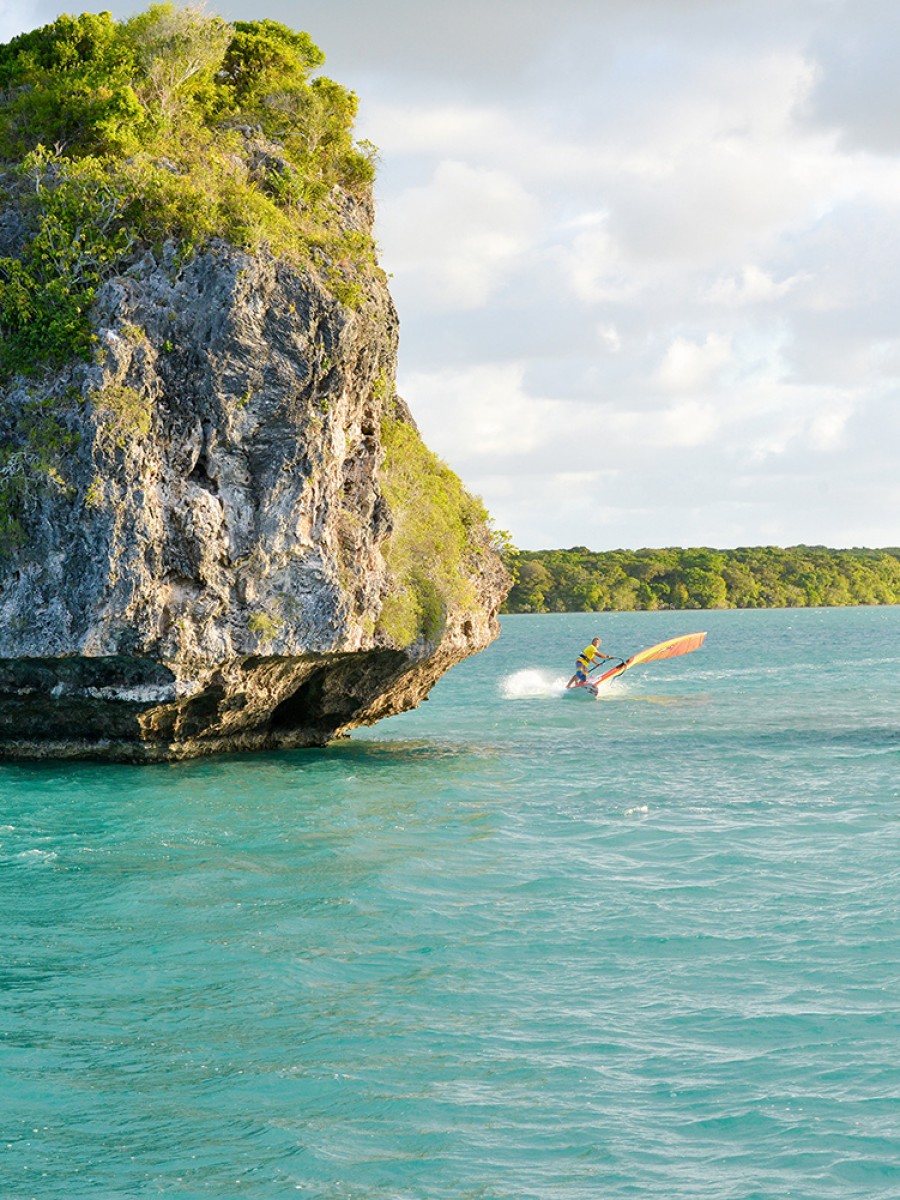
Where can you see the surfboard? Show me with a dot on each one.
(582, 691)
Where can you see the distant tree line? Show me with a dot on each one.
(582, 580)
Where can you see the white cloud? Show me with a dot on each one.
(686, 423)
(593, 265)
(443, 130)
(692, 366)
(751, 286)
(482, 411)
(857, 87)
(828, 425)
(455, 239)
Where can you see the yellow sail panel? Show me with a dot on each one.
(670, 649)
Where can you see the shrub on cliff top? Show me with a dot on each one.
(78, 235)
(93, 86)
(170, 124)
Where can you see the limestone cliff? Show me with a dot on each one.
(219, 528)
(208, 545)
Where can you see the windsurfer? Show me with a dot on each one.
(585, 661)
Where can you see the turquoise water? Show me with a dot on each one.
(508, 946)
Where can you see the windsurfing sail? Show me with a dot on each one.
(670, 649)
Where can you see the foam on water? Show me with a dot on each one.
(536, 683)
(531, 683)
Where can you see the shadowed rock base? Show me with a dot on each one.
(130, 710)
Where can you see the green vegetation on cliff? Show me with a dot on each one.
(439, 530)
(581, 580)
(172, 124)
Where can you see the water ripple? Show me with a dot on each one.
(491, 950)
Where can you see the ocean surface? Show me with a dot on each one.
(509, 946)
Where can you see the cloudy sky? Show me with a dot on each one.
(645, 253)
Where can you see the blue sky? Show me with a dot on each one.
(644, 253)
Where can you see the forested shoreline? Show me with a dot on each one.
(582, 580)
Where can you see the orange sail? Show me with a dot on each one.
(670, 649)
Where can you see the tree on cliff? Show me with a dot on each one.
(171, 124)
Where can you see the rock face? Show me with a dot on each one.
(203, 555)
